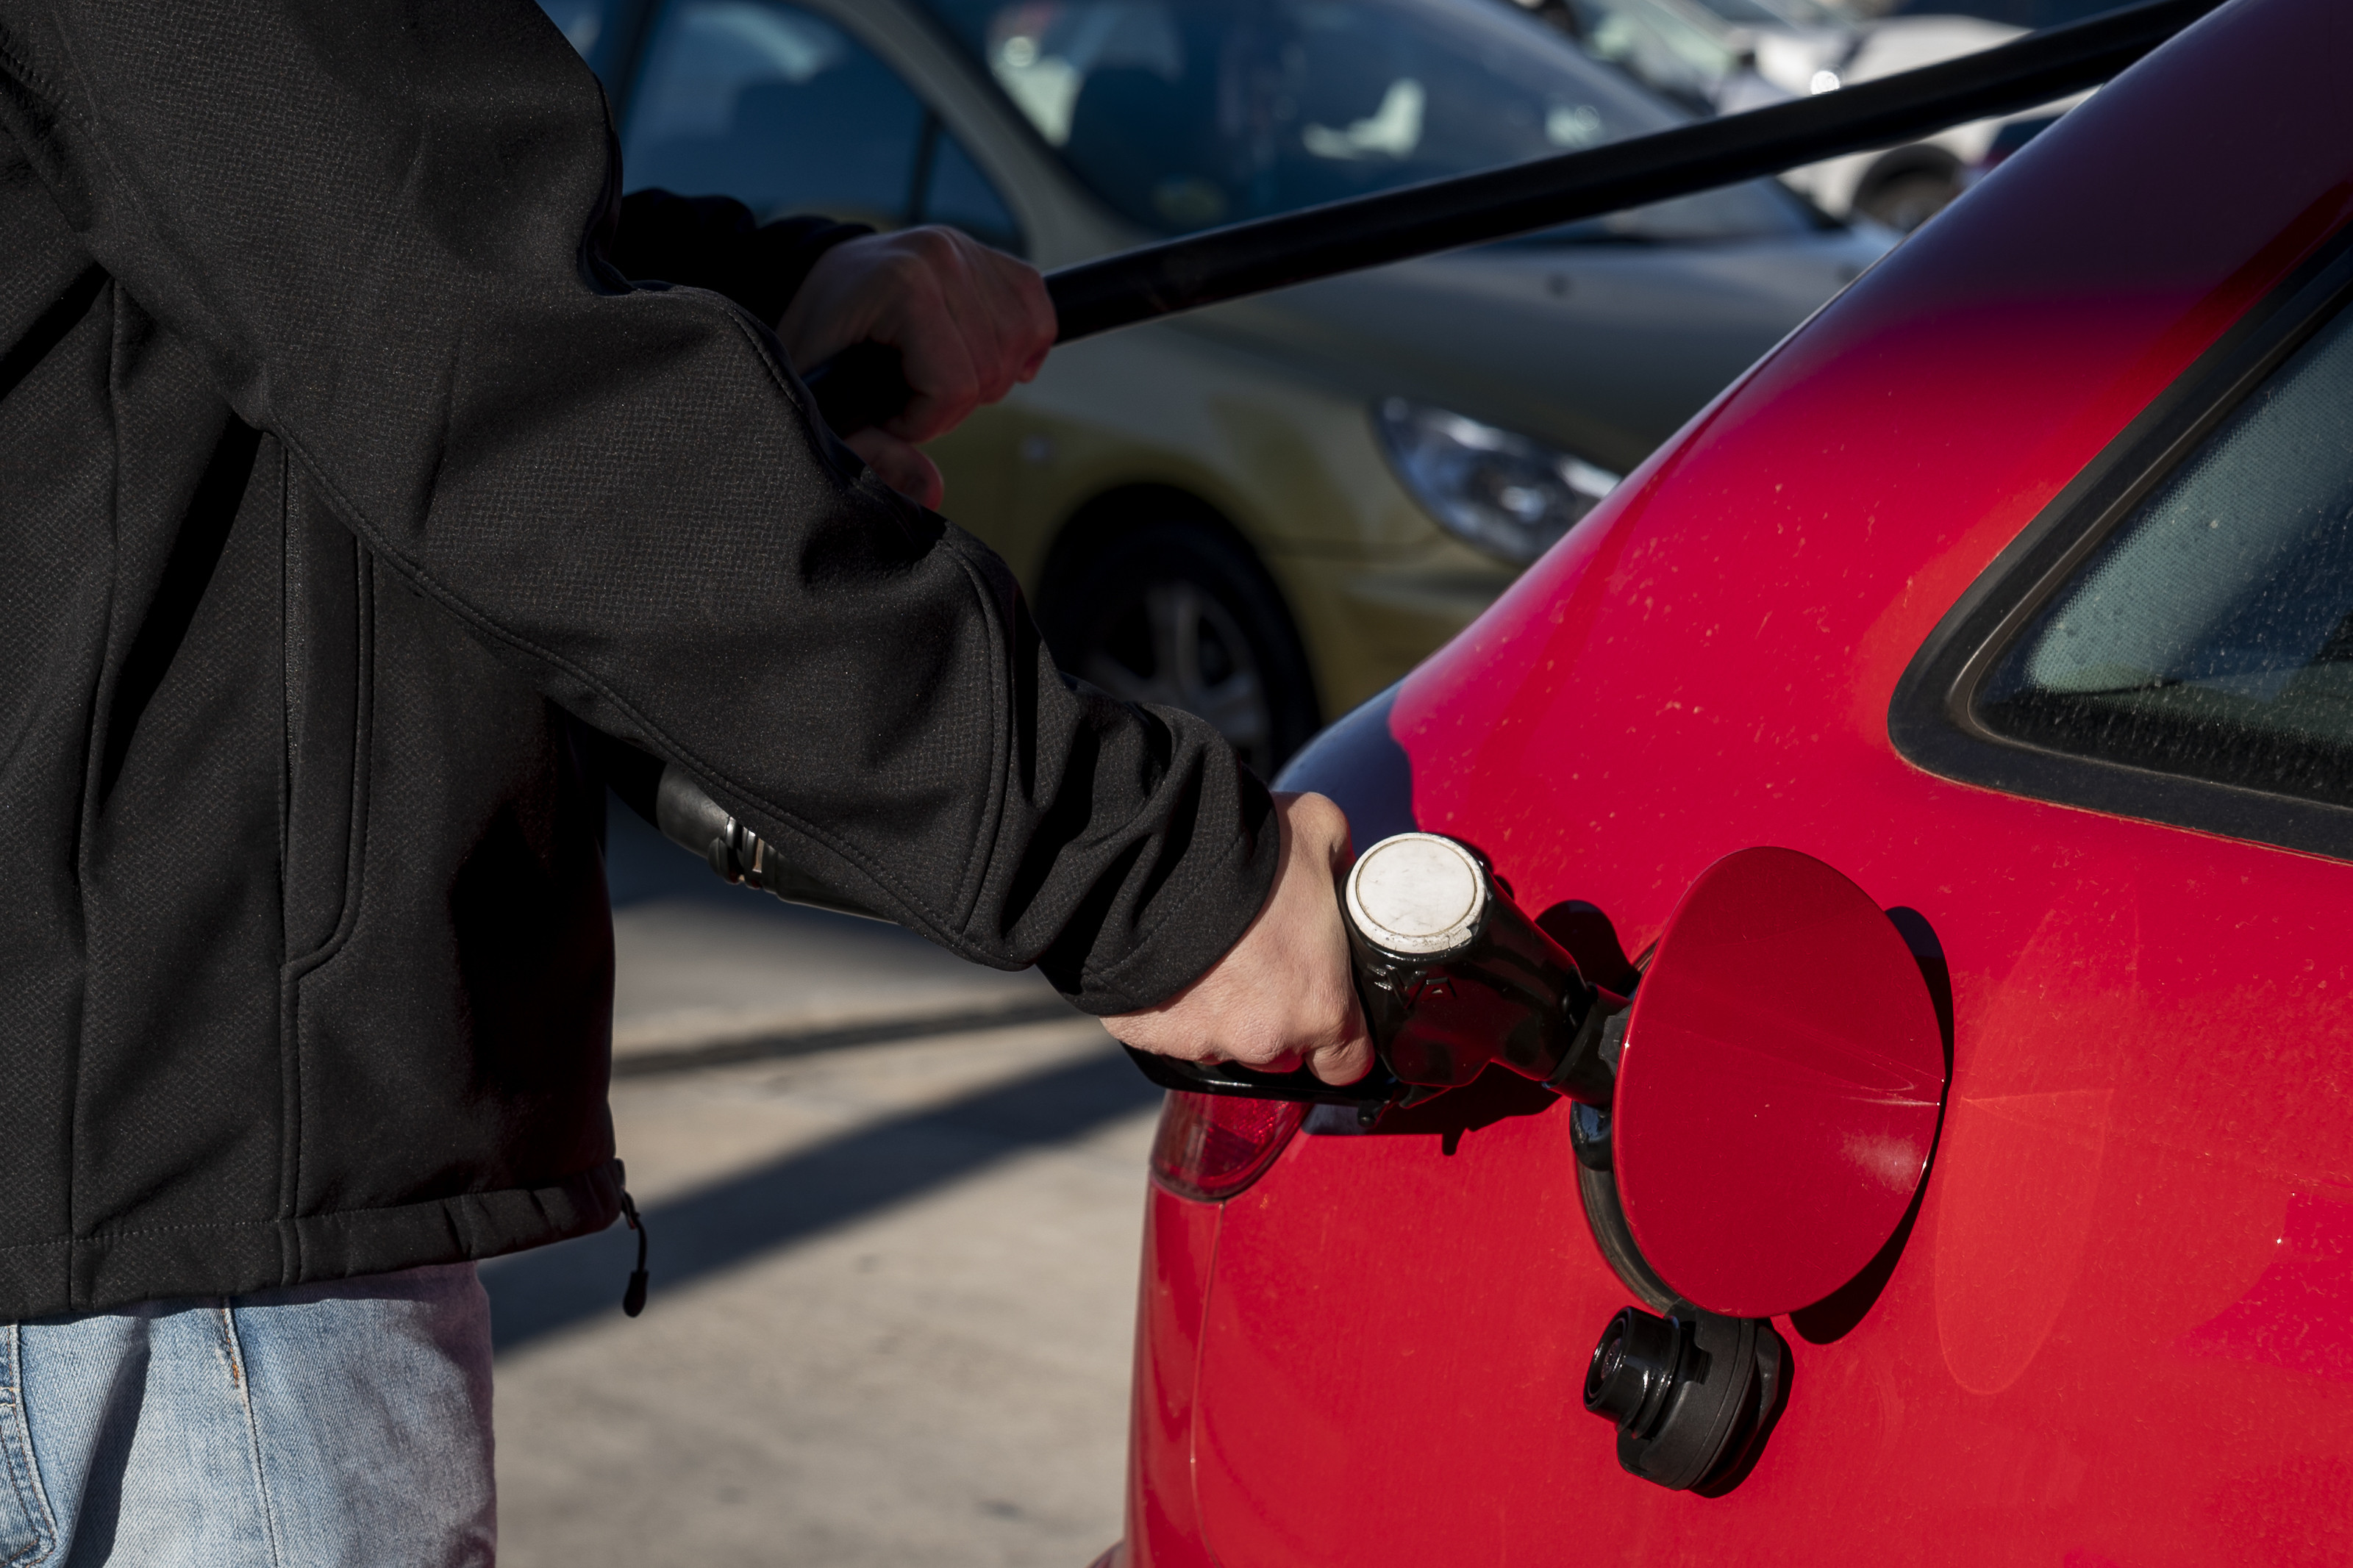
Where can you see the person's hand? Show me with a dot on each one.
(968, 321)
(1281, 995)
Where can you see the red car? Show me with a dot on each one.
(2015, 590)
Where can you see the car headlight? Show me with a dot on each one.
(1501, 492)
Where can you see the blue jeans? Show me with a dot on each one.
(343, 1423)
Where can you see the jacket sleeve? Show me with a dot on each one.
(712, 242)
(382, 229)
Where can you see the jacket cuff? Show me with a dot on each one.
(1200, 925)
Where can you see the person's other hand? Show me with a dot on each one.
(968, 321)
(1281, 995)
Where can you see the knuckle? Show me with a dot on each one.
(960, 386)
(1326, 813)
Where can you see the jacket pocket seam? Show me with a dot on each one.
(299, 966)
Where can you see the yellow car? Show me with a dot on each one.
(1268, 511)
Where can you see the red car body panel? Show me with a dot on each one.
(2121, 1329)
(1180, 1245)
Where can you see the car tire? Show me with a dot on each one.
(1177, 613)
(1907, 201)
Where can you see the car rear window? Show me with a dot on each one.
(1185, 114)
(2210, 635)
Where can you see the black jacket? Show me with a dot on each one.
(343, 483)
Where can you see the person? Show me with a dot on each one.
(363, 521)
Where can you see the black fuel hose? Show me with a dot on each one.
(862, 385)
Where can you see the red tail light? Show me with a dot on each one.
(1211, 1146)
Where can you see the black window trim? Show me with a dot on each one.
(1931, 719)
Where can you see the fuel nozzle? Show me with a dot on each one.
(1454, 976)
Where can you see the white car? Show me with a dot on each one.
(1730, 56)
(1900, 187)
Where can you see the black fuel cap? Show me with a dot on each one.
(1692, 1394)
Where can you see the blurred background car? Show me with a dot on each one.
(1725, 56)
(1678, 49)
(1901, 186)
(1265, 512)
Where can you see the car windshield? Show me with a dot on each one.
(1185, 114)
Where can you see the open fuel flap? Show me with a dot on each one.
(1778, 1088)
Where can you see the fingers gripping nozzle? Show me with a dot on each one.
(1453, 977)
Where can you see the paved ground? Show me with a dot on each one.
(893, 1276)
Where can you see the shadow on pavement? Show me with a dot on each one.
(809, 1041)
(789, 1200)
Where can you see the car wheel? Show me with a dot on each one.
(1907, 201)
(1175, 613)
